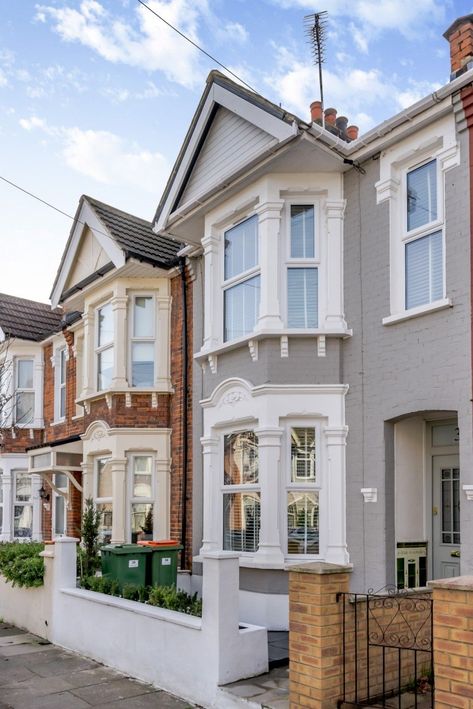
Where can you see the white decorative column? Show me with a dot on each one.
(337, 552)
(212, 319)
(119, 506)
(38, 383)
(163, 339)
(162, 503)
(269, 458)
(119, 307)
(269, 231)
(88, 383)
(6, 480)
(335, 315)
(212, 495)
(87, 480)
(37, 533)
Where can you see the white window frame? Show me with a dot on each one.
(98, 349)
(102, 500)
(23, 390)
(21, 503)
(60, 386)
(229, 283)
(56, 495)
(428, 229)
(298, 262)
(132, 499)
(303, 486)
(141, 339)
(2, 501)
(241, 488)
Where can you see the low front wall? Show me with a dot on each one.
(27, 608)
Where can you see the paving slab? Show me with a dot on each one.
(112, 690)
(156, 700)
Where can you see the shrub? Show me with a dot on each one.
(88, 559)
(101, 584)
(132, 592)
(172, 599)
(21, 564)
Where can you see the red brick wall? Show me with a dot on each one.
(176, 414)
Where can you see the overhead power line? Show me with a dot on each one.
(194, 44)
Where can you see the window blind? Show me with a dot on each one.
(424, 270)
(302, 297)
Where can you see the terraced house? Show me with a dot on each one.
(109, 400)
(333, 378)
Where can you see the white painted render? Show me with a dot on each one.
(89, 257)
(409, 462)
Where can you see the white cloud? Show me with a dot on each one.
(3, 78)
(104, 156)
(149, 44)
(414, 92)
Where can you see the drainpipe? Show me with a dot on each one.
(185, 398)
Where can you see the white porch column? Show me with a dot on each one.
(6, 481)
(337, 552)
(213, 506)
(38, 383)
(88, 383)
(163, 370)
(211, 282)
(37, 531)
(87, 480)
(162, 502)
(269, 230)
(119, 307)
(335, 315)
(119, 506)
(269, 456)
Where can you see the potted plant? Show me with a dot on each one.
(147, 526)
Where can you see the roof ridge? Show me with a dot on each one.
(19, 299)
(96, 201)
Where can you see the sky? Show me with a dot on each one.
(96, 95)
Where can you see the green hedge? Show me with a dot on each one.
(21, 564)
(163, 596)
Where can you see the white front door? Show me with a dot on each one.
(446, 516)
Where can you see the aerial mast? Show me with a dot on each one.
(315, 29)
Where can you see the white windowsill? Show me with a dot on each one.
(58, 423)
(123, 390)
(417, 312)
(263, 334)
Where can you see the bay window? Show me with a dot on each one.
(104, 347)
(23, 506)
(141, 493)
(241, 492)
(303, 493)
(24, 391)
(424, 259)
(241, 287)
(143, 341)
(104, 497)
(302, 271)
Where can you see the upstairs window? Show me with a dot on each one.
(143, 343)
(105, 348)
(302, 273)
(60, 376)
(424, 258)
(241, 279)
(24, 392)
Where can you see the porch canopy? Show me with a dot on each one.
(63, 456)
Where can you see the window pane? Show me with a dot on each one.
(241, 247)
(62, 402)
(142, 486)
(24, 412)
(241, 521)
(143, 316)
(105, 369)
(105, 529)
(302, 231)
(424, 270)
(60, 515)
(303, 523)
(143, 464)
(302, 455)
(242, 308)
(42, 460)
(23, 488)
(422, 195)
(62, 367)
(104, 479)
(302, 297)
(105, 327)
(138, 513)
(241, 458)
(23, 520)
(25, 374)
(60, 480)
(142, 368)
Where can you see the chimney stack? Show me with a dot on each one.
(460, 37)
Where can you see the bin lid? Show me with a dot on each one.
(160, 543)
(129, 549)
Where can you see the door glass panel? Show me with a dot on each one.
(450, 503)
(60, 519)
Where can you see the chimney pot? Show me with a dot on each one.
(330, 116)
(316, 111)
(460, 37)
(352, 132)
(342, 122)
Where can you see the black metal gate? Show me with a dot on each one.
(387, 649)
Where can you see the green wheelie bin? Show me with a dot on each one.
(126, 563)
(163, 562)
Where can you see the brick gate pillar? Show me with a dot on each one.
(453, 642)
(315, 634)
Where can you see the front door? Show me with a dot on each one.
(446, 516)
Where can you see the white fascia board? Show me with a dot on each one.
(246, 110)
(86, 218)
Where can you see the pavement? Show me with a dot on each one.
(37, 675)
(270, 690)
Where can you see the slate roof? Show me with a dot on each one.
(136, 236)
(27, 319)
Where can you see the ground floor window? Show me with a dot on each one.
(302, 497)
(60, 513)
(141, 496)
(241, 493)
(23, 506)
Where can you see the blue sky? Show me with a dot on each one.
(96, 95)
